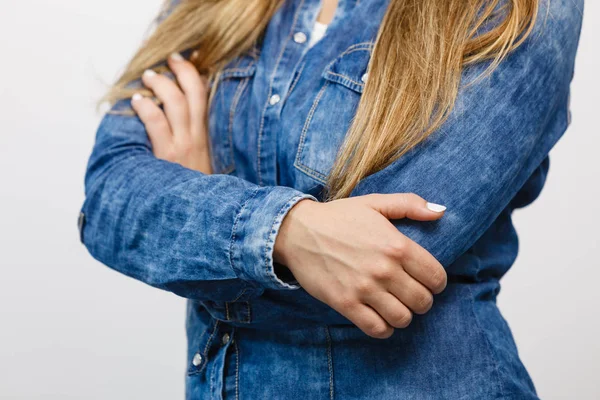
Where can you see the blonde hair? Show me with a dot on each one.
(414, 72)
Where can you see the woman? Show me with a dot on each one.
(309, 266)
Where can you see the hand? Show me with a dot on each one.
(179, 134)
(348, 254)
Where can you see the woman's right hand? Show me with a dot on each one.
(347, 254)
(178, 134)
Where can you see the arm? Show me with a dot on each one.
(199, 236)
(500, 131)
(178, 135)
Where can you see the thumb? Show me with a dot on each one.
(405, 205)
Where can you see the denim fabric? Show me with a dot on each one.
(254, 334)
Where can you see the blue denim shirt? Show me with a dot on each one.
(280, 112)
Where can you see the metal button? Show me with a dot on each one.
(364, 77)
(197, 360)
(299, 37)
(274, 99)
(225, 338)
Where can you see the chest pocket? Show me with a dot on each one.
(232, 89)
(332, 111)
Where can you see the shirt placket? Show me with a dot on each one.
(216, 373)
(282, 72)
(210, 360)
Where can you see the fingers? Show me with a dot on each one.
(424, 267)
(405, 205)
(411, 293)
(368, 321)
(154, 120)
(417, 262)
(195, 88)
(173, 99)
(360, 314)
(391, 309)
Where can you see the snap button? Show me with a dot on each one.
(299, 37)
(364, 77)
(197, 360)
(274, 99)
(225, 338)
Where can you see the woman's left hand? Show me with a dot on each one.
(180, 133)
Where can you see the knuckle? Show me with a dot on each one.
(383, 272)
(402, 319)
(184, 148)
(378, 330)
(439, 279)
(411, 197)
(424, 301)
(364, 287)
(154, 115)
(411, 200)
(177, 97)
(373, 198)
(170, 154)
(395, 248)
(346, 303)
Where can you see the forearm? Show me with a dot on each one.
(200, 236)
(501, 129)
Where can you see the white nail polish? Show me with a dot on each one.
(176, 57)
(149, 73)
(436, 207)
(136, 97)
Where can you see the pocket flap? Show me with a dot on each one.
(242, 66)
(350, 67)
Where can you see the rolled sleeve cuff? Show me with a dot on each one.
(254, 232)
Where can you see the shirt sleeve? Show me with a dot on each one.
(498, 134)
(205, 237)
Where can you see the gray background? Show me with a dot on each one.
(71, 328)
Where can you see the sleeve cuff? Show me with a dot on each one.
(254, 232)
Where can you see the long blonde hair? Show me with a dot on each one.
(414, 72)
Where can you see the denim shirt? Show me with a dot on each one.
(277, 119)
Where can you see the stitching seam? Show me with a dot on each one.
(346, 77)
(248, 308)
(237, 370)
(296, 80)
(234, 229)
(298, 162)
(205, 352)
(329, 362)
(236, 98)
(262, 121)
(270, 241)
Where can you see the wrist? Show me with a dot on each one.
(288, 232)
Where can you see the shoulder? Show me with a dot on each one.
(547, 54)
(557, 28)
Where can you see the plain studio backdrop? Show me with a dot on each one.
(74, 329)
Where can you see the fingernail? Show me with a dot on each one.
(176, 57)
(149, 73)
(195, 54)
(436, 207)
(136, 97)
